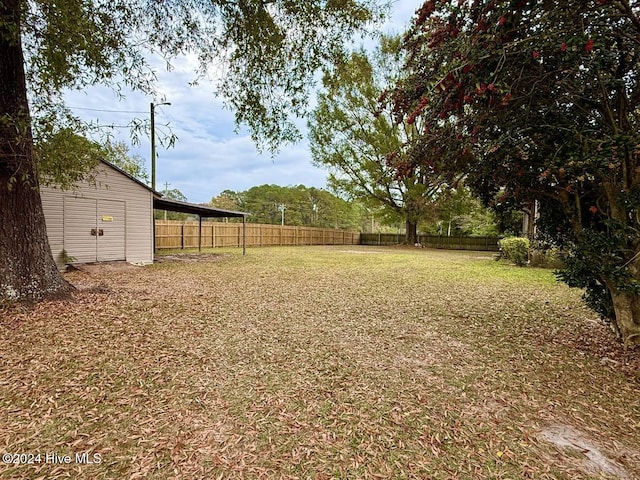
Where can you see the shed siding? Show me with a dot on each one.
(111, 185)
(53, 206)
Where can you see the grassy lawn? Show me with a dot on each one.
(318, 362)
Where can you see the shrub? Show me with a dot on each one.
(66, 258)
(515, 249)
(546, 258)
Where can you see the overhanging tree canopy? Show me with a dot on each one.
(266, 51)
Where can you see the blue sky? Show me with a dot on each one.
(209, 155)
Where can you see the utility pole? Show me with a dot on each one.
(153, 142)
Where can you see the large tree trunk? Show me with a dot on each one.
(626, 323)
(411, 236)
(27, 269)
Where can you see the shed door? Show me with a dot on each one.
(111, 231)
(94, 230)
(79, 221)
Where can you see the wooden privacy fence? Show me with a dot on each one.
(172, 234)
(489, 244)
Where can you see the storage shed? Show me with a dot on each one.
(108, 221)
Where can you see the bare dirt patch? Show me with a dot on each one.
(190, 257)
(591, 457)
(103, 267)
(361, 251)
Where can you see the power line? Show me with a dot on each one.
(97, 127)
(108, 111)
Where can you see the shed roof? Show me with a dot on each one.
(177, 206)
(200, 210)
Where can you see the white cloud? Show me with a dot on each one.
(402, 12)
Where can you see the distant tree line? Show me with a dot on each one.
(455, 212)
(293, 205)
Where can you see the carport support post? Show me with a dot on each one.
(153, 235)
(244, 235)
(199, 233)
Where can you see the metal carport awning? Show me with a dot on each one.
(201, 211)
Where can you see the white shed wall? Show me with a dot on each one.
(110, 185)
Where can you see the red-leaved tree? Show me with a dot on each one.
(540, 100)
